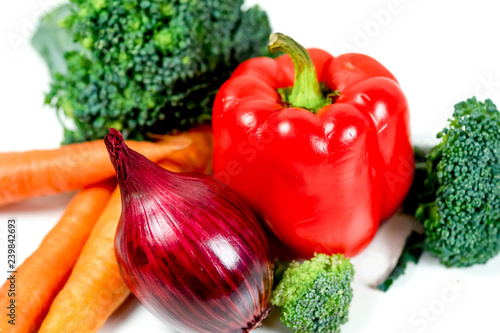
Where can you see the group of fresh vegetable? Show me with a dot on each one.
(72, 282)
(310, 149)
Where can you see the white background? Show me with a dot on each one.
(441, 53)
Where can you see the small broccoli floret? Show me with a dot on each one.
(316, 294)
(149, 66)
(461, 208)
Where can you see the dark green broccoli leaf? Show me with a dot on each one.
(412, 200)
(412, 251)
(52, 41)
(150, 66)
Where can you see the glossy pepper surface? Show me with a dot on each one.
(322, 162)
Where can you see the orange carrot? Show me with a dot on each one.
(195, 158)
(95, 287)
(43, 274)
(39, 172)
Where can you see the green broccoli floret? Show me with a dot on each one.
(460, 208)
(150, 66)
(456, 192)
(315, 295)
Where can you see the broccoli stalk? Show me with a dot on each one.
(459, 199)
(315, 295)
(148, 66)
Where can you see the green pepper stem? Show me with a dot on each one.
(306, 91)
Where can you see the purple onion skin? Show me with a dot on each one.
(190, 251)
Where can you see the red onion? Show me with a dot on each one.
(189, 249)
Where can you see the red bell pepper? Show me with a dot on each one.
(322, 169)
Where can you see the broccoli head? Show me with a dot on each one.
(150, 66)
(460, 207)
(315, 295)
